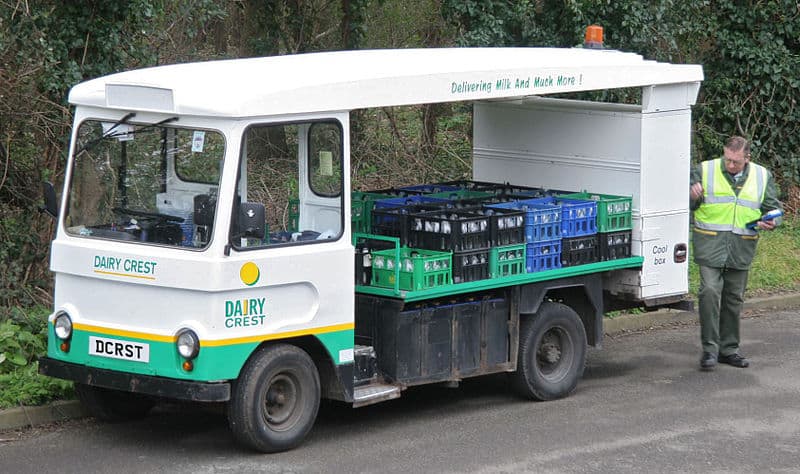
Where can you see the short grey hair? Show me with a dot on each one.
(736, 143)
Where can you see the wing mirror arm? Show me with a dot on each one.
(50, 200)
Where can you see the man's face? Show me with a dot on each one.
(735, 160)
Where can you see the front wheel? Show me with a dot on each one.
(552, 353)
(275, 400)
(112, 405)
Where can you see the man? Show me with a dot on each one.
(726, 194)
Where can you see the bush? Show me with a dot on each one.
(23, 339)
(25, 386)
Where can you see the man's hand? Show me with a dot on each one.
(766, 225)
(696, 191)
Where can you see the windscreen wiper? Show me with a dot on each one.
(107, 134)
(110, 133)
(153, 125)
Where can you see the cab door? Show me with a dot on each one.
(296, 271)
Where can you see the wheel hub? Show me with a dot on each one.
(551, 353)
(280, 401)
(550, 350)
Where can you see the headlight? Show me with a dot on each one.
(63, 326)
(188, 344)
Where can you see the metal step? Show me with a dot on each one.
(374, 393)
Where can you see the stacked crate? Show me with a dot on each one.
(614, 223)
(361, 204)
(418, 269)
(488, 231)
(465, 233)
(542, 220)
(578, 231)
(391, 217)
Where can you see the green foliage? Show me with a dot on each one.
(497, 22)
(302, 26)
(83, 38)
(20, 262)
(777, 263)
(406, 24)
(354, 15)
(23, 339)
(25, 386)
(752, 85)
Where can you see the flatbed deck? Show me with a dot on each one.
(492, 283)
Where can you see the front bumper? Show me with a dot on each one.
(136, 383)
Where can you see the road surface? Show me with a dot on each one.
(643, 406)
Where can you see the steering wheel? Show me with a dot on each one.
(148, 215)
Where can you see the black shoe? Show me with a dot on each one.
(735, 360)
(708, 361)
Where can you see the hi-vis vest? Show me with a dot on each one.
(722, 209)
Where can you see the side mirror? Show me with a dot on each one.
(50, 201)
(252, 217)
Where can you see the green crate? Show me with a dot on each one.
(420, 269)
(361, 204)
(614, 213)
(507, 260)
(294, 215)
(462, 194)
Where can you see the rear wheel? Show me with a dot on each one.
(276, 399)
(552, 353)
(112, 405)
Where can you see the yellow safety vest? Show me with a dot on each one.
(722, 210)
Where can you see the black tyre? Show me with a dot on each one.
(552, 353)
(275, 400)
(112, 405)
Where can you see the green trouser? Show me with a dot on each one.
(721, 297)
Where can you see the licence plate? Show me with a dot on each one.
(117, 349)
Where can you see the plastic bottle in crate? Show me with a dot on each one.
(367, 265)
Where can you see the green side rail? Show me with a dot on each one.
(501, 282)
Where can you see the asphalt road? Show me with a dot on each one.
(643, 406)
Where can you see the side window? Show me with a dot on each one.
(325, 159)
(293, 172)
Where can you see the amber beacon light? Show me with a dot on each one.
(593, 37)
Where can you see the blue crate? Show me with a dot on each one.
(396, 221)
(409, 201)
(578, 217)
(541, 256)
(542, 220)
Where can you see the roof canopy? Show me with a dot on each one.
(346, 80)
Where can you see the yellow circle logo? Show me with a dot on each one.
(249, 273)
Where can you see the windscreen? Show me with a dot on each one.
(147, 183)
